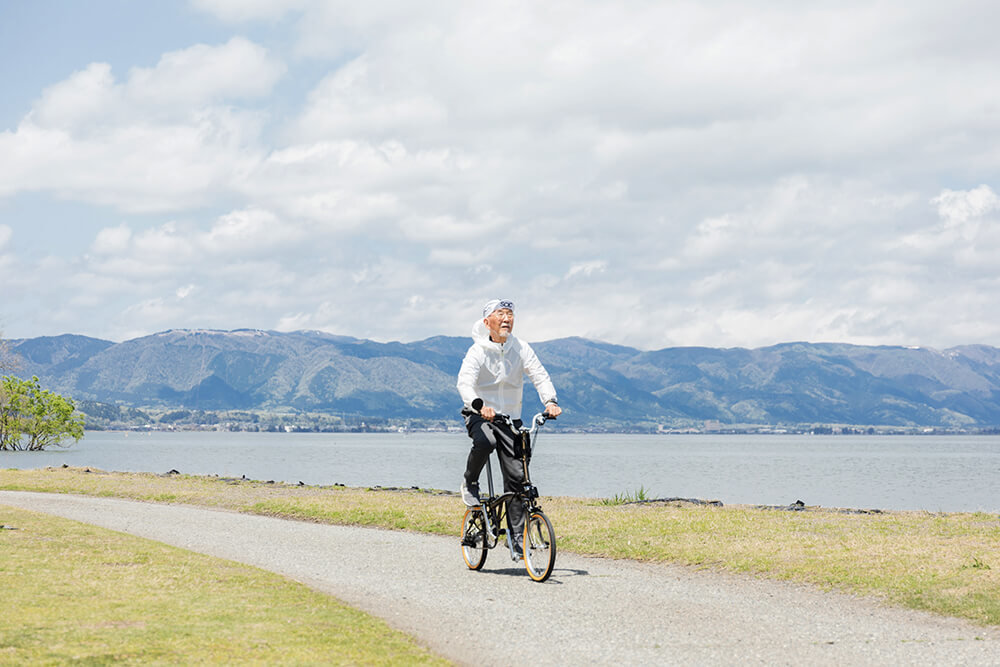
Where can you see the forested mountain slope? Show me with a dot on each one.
(597, 382)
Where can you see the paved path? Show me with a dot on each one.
(592, 611)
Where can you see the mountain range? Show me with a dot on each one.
(599, 384)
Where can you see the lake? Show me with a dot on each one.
(935, 473)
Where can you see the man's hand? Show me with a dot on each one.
(552, 410)
(487, 413)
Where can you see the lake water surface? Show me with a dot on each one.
(935, 473)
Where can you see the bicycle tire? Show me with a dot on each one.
(474, 547)
(539, 546)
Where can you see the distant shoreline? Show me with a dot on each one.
(742, 430)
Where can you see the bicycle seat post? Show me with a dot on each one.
(489, 475)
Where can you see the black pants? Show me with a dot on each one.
(487, 436)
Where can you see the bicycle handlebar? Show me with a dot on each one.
(477, 406)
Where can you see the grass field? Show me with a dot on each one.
(945, 563)
(74, 593)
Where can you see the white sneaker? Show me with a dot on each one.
(470, 496)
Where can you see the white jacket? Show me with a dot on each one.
(495, 373)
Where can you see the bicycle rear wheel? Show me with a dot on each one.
(474, 548)
(539, 546)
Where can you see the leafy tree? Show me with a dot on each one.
(32, 418)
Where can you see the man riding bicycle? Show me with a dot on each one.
(493, 370)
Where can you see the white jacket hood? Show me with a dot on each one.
(480, 334)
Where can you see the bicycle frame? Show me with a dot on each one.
(495, 507)
(481, 525)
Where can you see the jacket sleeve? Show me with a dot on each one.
(468, 374)
(537, 374)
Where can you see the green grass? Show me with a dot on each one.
(74, 593)
(639, 495)
(944, 563)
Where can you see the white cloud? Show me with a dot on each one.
(711, 237)
(957, 207)
(587, 269)
(164, 139)
(112, 240)
(157, 312)
(6, 233)
(295, 322)
(897, 292)
(204, 74)
(91, 100)
(168, 242)
(343, 209)
(966, 237)
(708, 174)
(87, 96)
(459, 257)
(249, 231)
(352, 102)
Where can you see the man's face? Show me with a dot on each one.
(500, 323)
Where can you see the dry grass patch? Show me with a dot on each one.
(948, 563)
(395, 510)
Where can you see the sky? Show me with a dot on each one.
(653, 174)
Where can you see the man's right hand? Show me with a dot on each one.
(487, 413)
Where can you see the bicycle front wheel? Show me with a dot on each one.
(539, 546)
(474, 538)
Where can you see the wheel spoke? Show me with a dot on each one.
(474, 548)
(539, 546)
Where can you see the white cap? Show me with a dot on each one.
(497, 304)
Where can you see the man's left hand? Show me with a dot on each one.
(552, 410)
